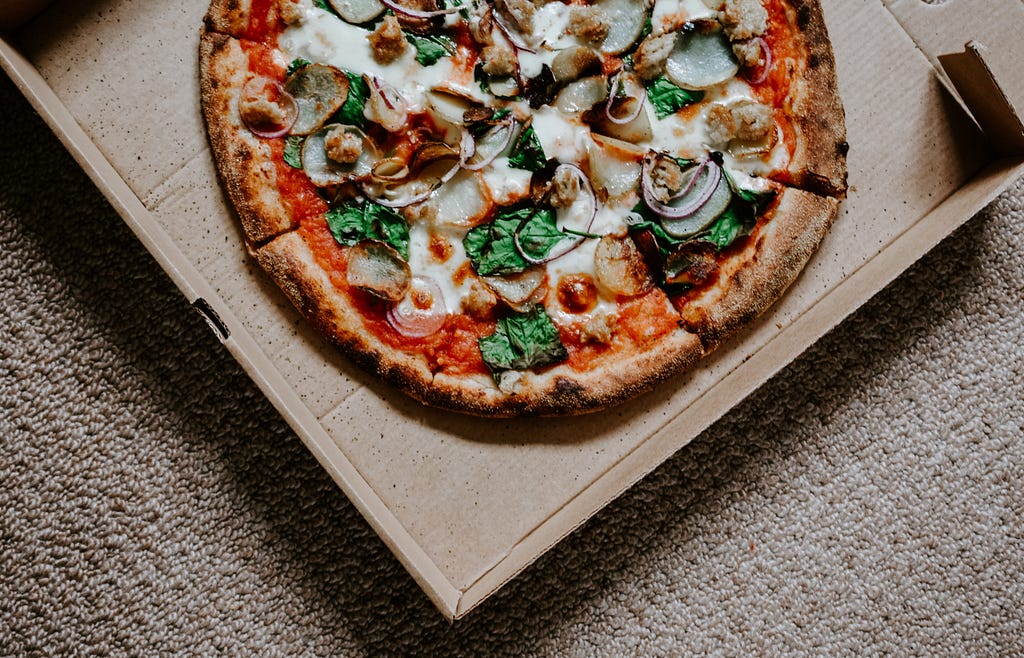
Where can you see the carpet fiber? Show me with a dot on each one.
(867, 500)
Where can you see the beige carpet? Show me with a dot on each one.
(868, 500)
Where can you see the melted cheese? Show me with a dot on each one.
(322, 37)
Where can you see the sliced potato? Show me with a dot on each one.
(379, 269)
(620, 267)
(319, 90)
(323, 171)
(358, 12)
(627, 19)
(701, 58)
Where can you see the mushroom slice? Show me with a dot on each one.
(377, 268)
(319, 90)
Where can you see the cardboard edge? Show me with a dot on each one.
(821, 318)
(442, 593)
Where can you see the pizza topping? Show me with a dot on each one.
(519, 290)
(702, 195)
(521, 342)
(589, 22)
(325, 169)
(581, 95)
(412, 12)
(667, 98)
(266, 108)
(577, 293)
(746, 121)
(342, 145)
(358, 12)
(377, 268)
(388, 40)
(744, 18)
(421, 311)
(620, 267)
(626, 19)
(701, 57)
(692, 263)
(385, 105)
(480, 301)
(755, 56)
(626, 89)
(481, 151)
(353, 222)
(575, 62)
(319, 90)
(292, 11)
(650, 57)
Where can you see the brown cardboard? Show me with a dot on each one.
(467, 503)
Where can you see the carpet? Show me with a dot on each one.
(868, 500)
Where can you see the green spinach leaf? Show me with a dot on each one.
(293, 150)
(356, 221)
(351, 112)
(491, 247)
(521, 342)
(431, 48)
(527, 153)
(295, 65)
(668, 99)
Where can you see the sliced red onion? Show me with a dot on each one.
(273, 92)
(695, 195)
(639, 93)
(387, 104)
(511, 34)
(767, 66)
(409, 318)
(496, 139)
(564, 247)
(418, 13)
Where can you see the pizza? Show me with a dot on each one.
(526, 207)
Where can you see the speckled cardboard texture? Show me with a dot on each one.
(465, 502)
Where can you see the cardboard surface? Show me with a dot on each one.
(466, 503)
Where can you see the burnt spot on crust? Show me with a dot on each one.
(843, 148)
(813, 61)
(803, 17)
(565, 387)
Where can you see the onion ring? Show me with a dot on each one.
(577, 240)
(640, 97)
(418, 13)
(700, 196)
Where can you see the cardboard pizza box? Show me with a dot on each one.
(467, 503)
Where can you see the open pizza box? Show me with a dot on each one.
(467, 503)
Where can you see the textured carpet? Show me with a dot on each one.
(868, 500)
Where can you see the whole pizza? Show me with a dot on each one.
(508, 207)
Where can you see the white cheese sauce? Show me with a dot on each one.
(323, 37)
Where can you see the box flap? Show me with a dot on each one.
(977, 57)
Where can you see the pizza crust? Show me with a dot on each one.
(815, 110)
(558, 390)
(750, 280)
(246, 163)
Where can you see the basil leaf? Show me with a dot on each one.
(431, 48)
(356, 221)
(521, 342)
(668, 99)
(295, 65)
(293, 150)
(351, 112)
(527, 153)
(491, 247)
